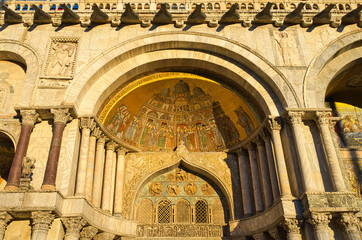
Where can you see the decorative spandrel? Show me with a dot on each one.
(159, 115)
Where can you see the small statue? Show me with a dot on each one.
(26, 173)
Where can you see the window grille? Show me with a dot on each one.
(201, 212)
(164, 211)
(182, 212)
(144, 213)
(217, 212)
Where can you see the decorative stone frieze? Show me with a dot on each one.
(60, 115)
(73, 227)
(5, 218)
(104, 236)
(88, 233)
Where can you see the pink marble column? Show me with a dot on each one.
(60, 116)
(258, 198)
(245, 182)
(118, 195)
(29, 117)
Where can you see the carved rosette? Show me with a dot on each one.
(42, 220)
(322, 118)
(88, 233)
(292, 226)
(5, 218)
(275, 123)
(350, 221)
(29, 117)
(295, 118)
(73, 226)
(320, 220)
(60, 115)
(104, 236)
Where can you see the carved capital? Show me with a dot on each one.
(41, 220)
(5, 218)
(350, 221)
(322, 118)
(320, 220)
(60, 115)
(104, 236)
(275, 123)
(259, 140)
(73, 226)
(111, 146)
(295, 118)
(250, 146)
(292, 225)
(96, 132)
(121, 151)
(29, 117)
(88, 233)
(101, 140)
(86, 122)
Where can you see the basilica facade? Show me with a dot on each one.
(180, 120)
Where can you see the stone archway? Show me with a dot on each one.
(7, 151)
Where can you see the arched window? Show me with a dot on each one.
(201, 212)
(315, 7)
(193, 6)
(31, 8)
(60, 8)
(228, 6)
(174, 6)
(75, 7)
(308, 7)
(69, 6)
(262, 6)
(133, 6)
(182, 6)
(341, 7)
(217, 6)
(292, 6)
(17, 8)
(182, 212)
(101, 6)
(164, 211)
(87, 6)
(147, 6)
(159, 6)
(114, 6)
(202, 6)
(275, 6)
(108, 6)
(209, 6)
(348, 7)
(250, 6)
(139, 6)
(281, 6)
(25, 8)
(167, 6)
(242, 6)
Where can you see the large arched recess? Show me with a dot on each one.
(27, 58)
(216, 57)
(334, 59)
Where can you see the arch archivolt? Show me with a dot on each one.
(25, 55)
(140, 167)
(328, 64)
(206, 52)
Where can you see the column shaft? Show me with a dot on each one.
(264, 172)
(90, 164)
(82, 162)
(244, 182)
(320, 222)
(118, 195)
(28, 120)
(258, 198)
(271, 167)
(107, 180)
(98, 173)
(334, 167)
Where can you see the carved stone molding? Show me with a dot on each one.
(295, 118)
(73, 226)
(320, 220)
(104, 236)
(322, 118)
(88, 233)
(42, 220)
(5, 218)
(350, 221)
(86, 122)
(61, 115)
(292, 225)
(29, 117)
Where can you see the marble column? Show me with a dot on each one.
(284, 185)
(90, 163)
(258, 198)
(292, 227)
(118, 195)
(60, 116)
(322, 118)
(73, 225)
(98, 172)
(5, 218)
(107, 179)
(29, 117)
(244, 182)
(88, 233)
(295, 119)
(104, 236)
(320, 223)
(86, 125)
(40, 224)
(350, 223)
(264, 172)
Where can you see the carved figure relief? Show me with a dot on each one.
(170, 177)
(207, 189)
(4, 91)
(288, 48)
(190, 189)
(181, 175)
(61, 58)
(173, 189)
(156, 189)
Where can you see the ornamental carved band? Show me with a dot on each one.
(292, 225)
(322, 118)
(41, 220)
(350, 221)
(29, 117)
(295, 118)
(320, 220)
(60, 115)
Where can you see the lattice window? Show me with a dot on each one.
(144, 213)
(217, 212)
(201, 211)
(182, 212)
(164, 211)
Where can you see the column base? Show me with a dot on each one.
(11, 188)
(48, 187)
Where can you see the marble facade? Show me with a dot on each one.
(263, 144)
